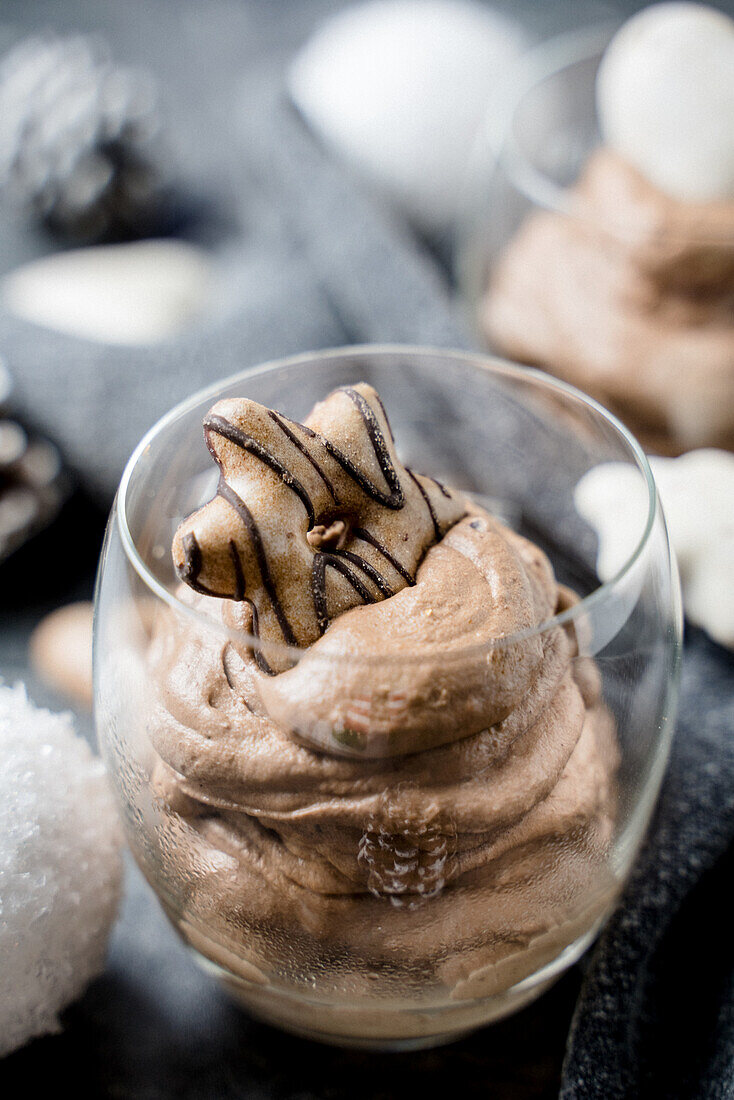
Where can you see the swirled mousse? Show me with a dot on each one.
(426, 797)
(628, 294)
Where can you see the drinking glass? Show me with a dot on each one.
(391, 900)
(570, 261)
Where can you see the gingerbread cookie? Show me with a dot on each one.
(309, 519)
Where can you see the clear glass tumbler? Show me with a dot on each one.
(394, 898)
(571, 261)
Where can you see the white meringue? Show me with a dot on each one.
(697, 495)
(140, 293)
(665, 99)
(399, 88)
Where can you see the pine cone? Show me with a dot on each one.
(32, 484)
(77, 135)
(406, 858)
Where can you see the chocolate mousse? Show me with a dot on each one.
(627, 293)
(381, 771)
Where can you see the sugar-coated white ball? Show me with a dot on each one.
(60, 867)
(665, 99)
(399, 89)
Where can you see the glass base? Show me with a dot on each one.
(388, 1025)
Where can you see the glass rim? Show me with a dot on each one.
(498, 366)
(542, 62)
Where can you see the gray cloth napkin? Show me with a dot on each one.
(323, 267)
(315, 262)
(656, 1013)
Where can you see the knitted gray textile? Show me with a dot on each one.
(656, 1013)
(320, 265)
(315, 262)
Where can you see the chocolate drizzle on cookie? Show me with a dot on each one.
(219, 426)
(365, 536)
(395, 498)
(280, 420)
(192, 565)
(394, 516)
(429, 506)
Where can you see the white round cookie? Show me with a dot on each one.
(696, 490)
(142, 292)
(399, 89)
(665, 99)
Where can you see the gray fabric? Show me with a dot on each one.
(320, 266)
(315, 262)
(656, 1013)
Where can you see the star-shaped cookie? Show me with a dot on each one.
(309, 519)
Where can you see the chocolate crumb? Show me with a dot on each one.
(332, 537)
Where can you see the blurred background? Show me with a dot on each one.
(189, 187)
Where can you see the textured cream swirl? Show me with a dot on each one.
(418, 793)
(630, 296)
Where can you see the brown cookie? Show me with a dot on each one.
(309, 519)
(61, 652)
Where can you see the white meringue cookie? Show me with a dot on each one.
(697, 494)
(612, 498)
(140, 293)
(709, 592)
(399, 88)
(665, 99)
